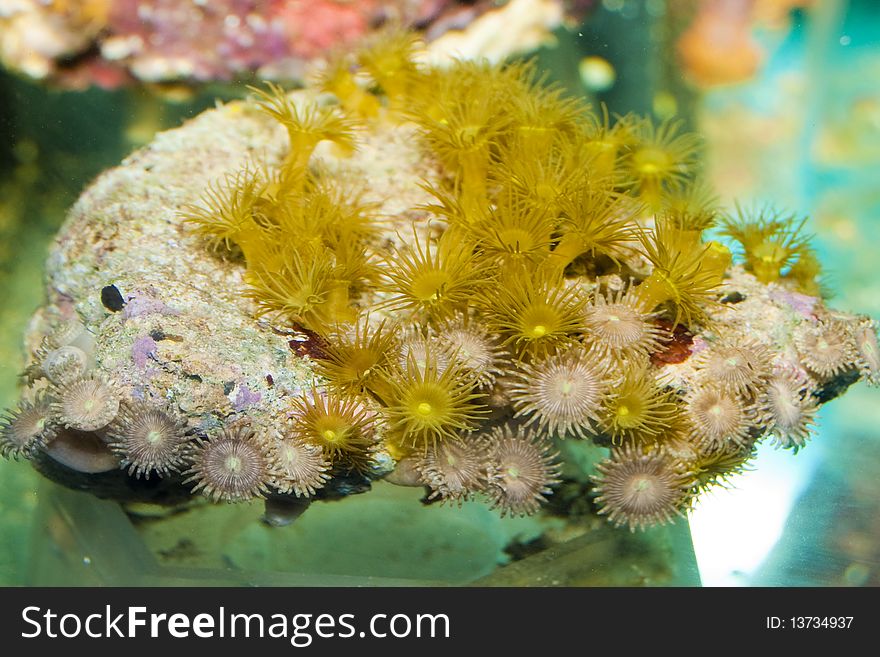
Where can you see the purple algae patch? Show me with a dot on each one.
(802, 304)
(140, 304)
(143, 349)
(245, 397)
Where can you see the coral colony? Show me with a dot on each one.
(116, 42)
(558, 288)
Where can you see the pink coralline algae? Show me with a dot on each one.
(142, 350)
(801, 303)
(245, 397)
(141, 303)
(112, 42)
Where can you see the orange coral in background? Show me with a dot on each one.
(719, 46)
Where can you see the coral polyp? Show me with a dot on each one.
(741, 367)
(826, 348)
(232, 466)
(718, 417)
(638, 410)
(719, 468)
(70, 331)
(87, 404)
(297, 290)
(428, 404)
(865, 338)
(790, 409)
(65, 364)
(353, 361)
(454, 470)
(341, 426)
(298, 467)
(433, 279)
(594, 221)
(421, 348)
(388, 58)
(471, 345)
(307, 125)
(514, 233)
(226, 209)
(772, 243)
(660, 159)
(640, 489)
(25, 430)
(522, 470)
(617, 325)
(685, 274)
(562, 393)
(533, 316)
(148, 439)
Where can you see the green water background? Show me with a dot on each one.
(52, 144)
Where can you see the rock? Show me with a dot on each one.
(170, 325)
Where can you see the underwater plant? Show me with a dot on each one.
(453, 277)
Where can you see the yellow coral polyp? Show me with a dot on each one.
(514, 235)
(306, 125)
(806, 274)
(539, 182)
(225, 213)
(604, 142)
(463, 142)
(429, 404)
(690, 209)
(341, 426)
(772, 243)
(637, 409)
(299, 291)
(593, 221)
(353, 361)
(533, 316)
(659, 160)
(337, 78)
(650, 163)
(432, 279)
(716, 259)
(389, 59)
(682, 275)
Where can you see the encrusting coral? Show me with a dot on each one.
(435, 274)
